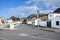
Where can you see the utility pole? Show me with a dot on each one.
(37, 14)
(38, 18)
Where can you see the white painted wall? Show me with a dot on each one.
(37, 22)
(40, 22)
(53, 22)
(12, 26)
(43, 23)
(52, 15)
(9, 21)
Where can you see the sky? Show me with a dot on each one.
(24, 8)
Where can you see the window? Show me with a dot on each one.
(38, 20)
(50, 15)
(57, 22)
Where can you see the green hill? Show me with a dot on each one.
(35, 16)
(57, 10)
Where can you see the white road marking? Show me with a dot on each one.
(3, 39)
(23, 35)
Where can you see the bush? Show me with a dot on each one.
(8, 26)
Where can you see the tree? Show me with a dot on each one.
(35, 15)
(24, 21)
(14, 18)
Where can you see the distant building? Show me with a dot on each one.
(2, 20)
(9, 21)
(37, 22)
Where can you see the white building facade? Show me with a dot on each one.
(37, 22)
(43, 23)
(55, 23)
(53, 15)
(55, 20)
(40, 22)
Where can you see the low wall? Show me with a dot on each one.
(43, 23)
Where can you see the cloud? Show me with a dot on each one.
(22, 11)
(49, 4)
(28, 1)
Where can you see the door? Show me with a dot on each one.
(49, 24)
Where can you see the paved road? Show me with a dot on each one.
(27, 32)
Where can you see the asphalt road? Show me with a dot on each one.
(27, 32)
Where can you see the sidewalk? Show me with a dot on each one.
(7, 28)
(48, 29)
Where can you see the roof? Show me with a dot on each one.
(56, 13)
(53, 13)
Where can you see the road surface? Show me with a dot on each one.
(27, 32)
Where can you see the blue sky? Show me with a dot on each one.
(24, 8)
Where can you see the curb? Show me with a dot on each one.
(49, 29)
(7, 28)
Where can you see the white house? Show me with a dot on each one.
(54, 19)
(55, 23)
(36, 22)
(9, 21)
